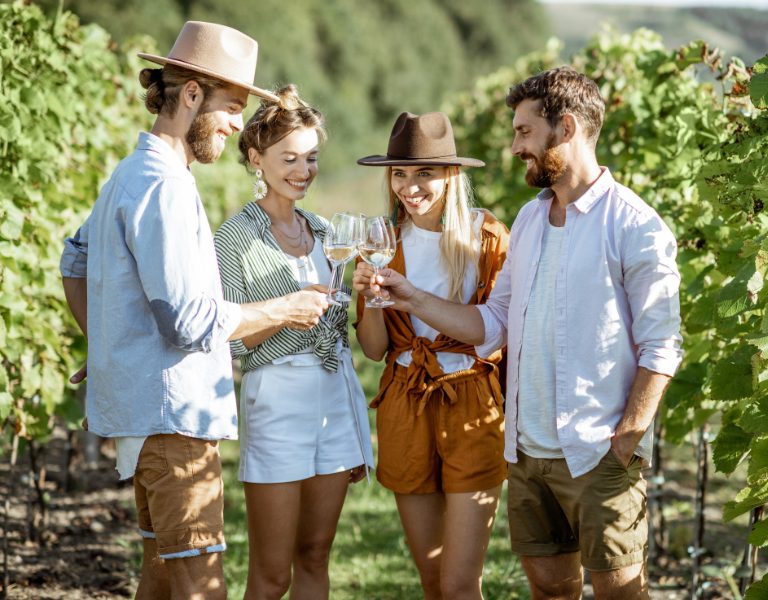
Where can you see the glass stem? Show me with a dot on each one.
(334, 268)
(376, 294)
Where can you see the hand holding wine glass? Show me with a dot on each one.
(377, 249)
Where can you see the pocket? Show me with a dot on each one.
(152, 463)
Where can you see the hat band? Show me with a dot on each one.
(393, 157)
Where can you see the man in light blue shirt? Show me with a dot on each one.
(587, 304)
(142, 280)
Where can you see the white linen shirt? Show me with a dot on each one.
(616, 308)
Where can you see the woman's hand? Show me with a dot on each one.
(357, 474)
(361, 279)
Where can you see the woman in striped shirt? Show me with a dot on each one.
(304, 428)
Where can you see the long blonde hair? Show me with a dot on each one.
(459, 244)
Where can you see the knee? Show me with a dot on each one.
(455, 586)
(544, 590)
(314, 556)
(271, 585)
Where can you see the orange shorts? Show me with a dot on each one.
(449, 447)
(180, 496)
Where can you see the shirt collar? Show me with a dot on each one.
(588, 199)
(151, 143)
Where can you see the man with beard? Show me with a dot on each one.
(142, 280)
(587, 302)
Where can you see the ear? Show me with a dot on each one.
(568, 126)
(254, 158)
(192, 95)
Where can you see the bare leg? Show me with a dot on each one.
(322, 498)
(422, 516)
(273, 519)
(197, 577)
(556, 577)
(627, 583)
(468, 523)
(153, 583)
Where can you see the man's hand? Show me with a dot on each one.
(623, 447)
(357, 474)
(391, 284)
(80, 376)
(302, 310)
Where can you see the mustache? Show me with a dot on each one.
(527, 157)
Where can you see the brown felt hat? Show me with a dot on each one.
(421, 140)
(217, 51)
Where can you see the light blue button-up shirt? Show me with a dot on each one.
(158, 357)
(616, 308)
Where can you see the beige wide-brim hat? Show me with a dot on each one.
(421, 140)
(217, 51)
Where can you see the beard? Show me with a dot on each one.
(201, 138)
(547, 168)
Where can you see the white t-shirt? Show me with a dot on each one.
(536, 419)
(425, 269)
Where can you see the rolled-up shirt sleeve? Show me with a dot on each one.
(652, 283)
(163, 236)
(74, 258)
(495, 313)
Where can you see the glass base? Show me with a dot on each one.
(341, 296)
(378, 302)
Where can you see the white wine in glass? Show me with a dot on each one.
(340, 245)
(377, 249)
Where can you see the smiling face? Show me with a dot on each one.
(290, 165)
(536, 144)
(220, 116)
(421, 190)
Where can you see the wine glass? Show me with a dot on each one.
(377, 249)
(342, 237)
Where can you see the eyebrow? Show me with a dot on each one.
(314, 150)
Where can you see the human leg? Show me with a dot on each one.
(422, 516)
(273, 518)
(557, 577)
(179, 499)
(469, 520)
(626, 583)
(322, 498)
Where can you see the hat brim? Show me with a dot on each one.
(388, 161)
(252, 89)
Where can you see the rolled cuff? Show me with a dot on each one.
(74, 261)
(495, 333)
(662, 361)
(231, 317)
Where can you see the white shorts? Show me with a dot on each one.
(298, 420)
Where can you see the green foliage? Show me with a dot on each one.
(361, 63)
(63, 124)
(696, 152)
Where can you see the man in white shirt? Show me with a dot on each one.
(587, 303)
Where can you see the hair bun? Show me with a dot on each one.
(289, 97)
(147, 77)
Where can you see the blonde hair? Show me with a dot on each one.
(272, 121)
(459, 244)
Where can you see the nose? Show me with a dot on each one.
(516, 147)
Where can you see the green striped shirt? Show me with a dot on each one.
(254, 268)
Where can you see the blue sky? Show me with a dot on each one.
(719, 3)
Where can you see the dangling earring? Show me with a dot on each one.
(259, 185)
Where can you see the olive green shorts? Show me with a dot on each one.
(602, 513)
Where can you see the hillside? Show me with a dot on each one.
(736, 31)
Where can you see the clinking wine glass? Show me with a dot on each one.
(377, 249)
(342, 237)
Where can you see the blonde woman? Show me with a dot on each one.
(439, 407)
(303, 424)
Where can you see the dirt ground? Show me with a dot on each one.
(87, 548)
